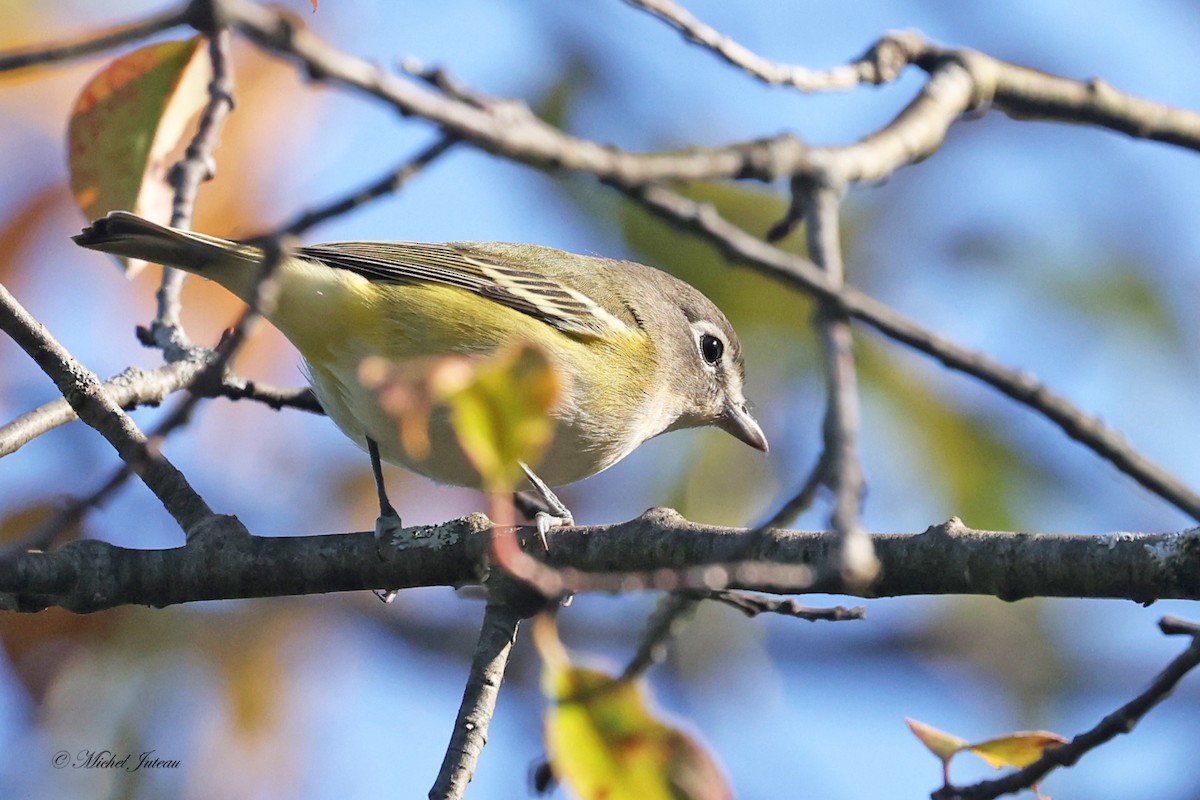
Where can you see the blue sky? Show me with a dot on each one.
(1008, 239)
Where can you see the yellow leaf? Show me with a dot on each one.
(941, 744)
(604, 744)
(126, 123)
(1017, 749)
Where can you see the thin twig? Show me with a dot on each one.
(392, 182)
(65, 517)
(664, 623)
(752, 604)
(441, 79)
(856, 558)
(93, 43)
(197, 166)
(135, 388)
(1118, 722)
(236, 387)
(871, 68)
(83, 390)
(799, 502)
(209, 382)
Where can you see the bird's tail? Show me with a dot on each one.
(131, 236)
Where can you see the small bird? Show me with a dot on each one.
(637, 351)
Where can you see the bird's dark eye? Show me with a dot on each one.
(711, 348)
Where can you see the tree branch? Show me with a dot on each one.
(136, 387)
(855, 558)
(508, 603)
(94, 43)
(86, 576)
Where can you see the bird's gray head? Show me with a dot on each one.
(705, 366)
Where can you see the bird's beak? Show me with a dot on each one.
(737, 420)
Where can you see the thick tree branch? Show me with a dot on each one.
(88, 575)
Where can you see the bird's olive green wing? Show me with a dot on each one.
(498, 279)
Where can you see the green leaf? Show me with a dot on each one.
(126, 124)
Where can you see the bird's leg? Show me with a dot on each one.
(388, 522)
(559, 516)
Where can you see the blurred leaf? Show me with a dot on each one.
(980, 471)
(1016, 749)
(499, 407)
(1014, 651)
(128, 119)
(21, 227)
(603, 742)
(1115, 284)
(500, 410)
(554, 106)
(39, 646)
(1119, 292)
(248, 651)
